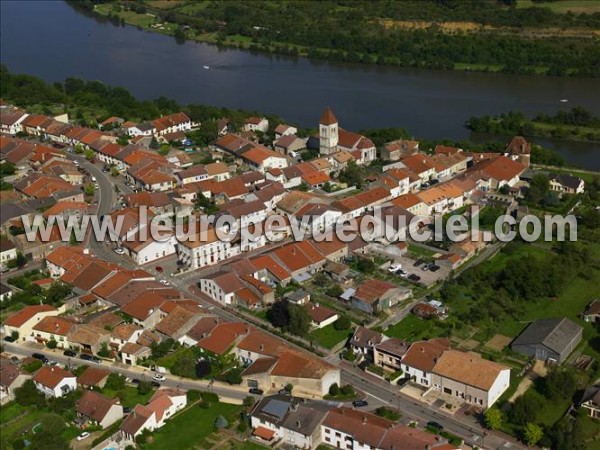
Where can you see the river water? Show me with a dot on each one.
(51, 40)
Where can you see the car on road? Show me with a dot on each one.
(414, 277)
(83, 436)
(159, 377)
(9, 339)
(70, 353)
(93, 178)
(87, 357)
(41, 357)
(256, 391)
(395, 268)
(435, 425)
(360, 403)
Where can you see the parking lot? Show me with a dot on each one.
(427, 277)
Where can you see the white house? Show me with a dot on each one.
(150, 250)
(10, 121)
(11, 378)
(321, 316)
(262, 159)
(53, 381)
(205, 250)
(256, 124)
(221, 286)
(8, 251)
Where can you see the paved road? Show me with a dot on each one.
(128, 371)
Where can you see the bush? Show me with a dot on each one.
(209, 397)
(144, 387)
(334, 390)
(348, 389)
(343, 323)
(204, 404)
(388, 413)
(51, 344)
(249, 401)
(115, 382)
(32, 366)
(193, 395)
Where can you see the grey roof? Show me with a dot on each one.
(555, 334)
(11, 210)
(300, 415)
(568, 180)
(4, 289)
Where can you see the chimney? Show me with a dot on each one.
(364, 420)
(262, 347)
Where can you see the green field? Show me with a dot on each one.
(192, 428)
(129, 396)
(328, 336)
(563, 6)
(411, 328)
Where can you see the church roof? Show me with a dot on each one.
(328, 118)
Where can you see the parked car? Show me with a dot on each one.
(53, 363)
(135, 381)
(360, 403)
(159, 377)
(256, 391)
(395, 268)
(418, 262)
(155, 384)
(402, 273)
(283, 392)
(436, 425)
(159, 269)
(41, 357)
(70, 353)
(87, 357)
(9, 339)
(434, 268)
(83, 436)
(119, 251)
(126, 409)
(15, 359)
(414, 277)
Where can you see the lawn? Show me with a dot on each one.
(563, 6)
(420, 251)
(129, 396)
(192, 427)
(328, 336)
(412, 328)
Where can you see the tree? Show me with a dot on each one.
(538, 188)
(533, 433)
(104, 351)
(89, 155)
(347, 389)
(115, 382)
(203, 368)
(28, 394)
(279, 314)
(144, 387)
(343, 323)
(51, 343)
(493, 419)
(300, 320)
(161, 349)
(524, 409)
(351, 175)
(335, 291)
(249, 400)
(193, 395)
(14, 335)
(559, 384)
(334, 390)
(49, 434)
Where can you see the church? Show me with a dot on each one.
(333, 139)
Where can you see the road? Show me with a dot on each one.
(129, 371)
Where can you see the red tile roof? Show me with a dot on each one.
(328, 118)
(19, 318)
(51, 376)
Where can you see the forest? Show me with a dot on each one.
(369, 32)
(577, 124)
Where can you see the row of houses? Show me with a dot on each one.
(434, 365)
(300, 423)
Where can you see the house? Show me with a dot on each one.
(421, 165)
(88, 338)
(412, 203)
(256, 124)
(364, 340)
(373, 296)
(396, 150)
(52, 328)
(285, 130)
(567, 184)
(353, 429)
(499, 171)
(321, 316)
(389, 353)
(131, 352)
(23, 321)
(452, 260)
(298, 297)
(98, 409)
(316, 217)
(5, 292)
(164, 404)
(592, 313)
(469, 377)
(93, 377)
(590, 401)
(205, 250)
(221, 286)
(301, 258)
(333, 139)
(8, 252)
(52, 381)
(287, 144)
(11, 378)
(262, 158)
(420, 359)
(550, 340)
(192, 175)
(11, 119)
(292, 420)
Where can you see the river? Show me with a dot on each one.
(53, 41)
